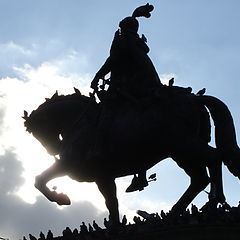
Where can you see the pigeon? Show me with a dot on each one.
(90, 228)
(201, 92)
(77, 91)
(106, 223)
(171, 82)
(75, 232)
(152, 176)
(194, 209)
(42, 236)
(124, 220)
(137, 219)
(145, 215)
(49, 235)
(83, 228)
(162, 214)
(95, 226)
(31, 237)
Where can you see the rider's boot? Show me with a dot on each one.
(138, 183)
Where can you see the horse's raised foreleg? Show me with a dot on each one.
(108, 189)
(41, 180)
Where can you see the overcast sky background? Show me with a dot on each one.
(57, 44)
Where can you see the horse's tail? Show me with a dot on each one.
(225, 136)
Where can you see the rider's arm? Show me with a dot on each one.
(107, 66)
(104, 70)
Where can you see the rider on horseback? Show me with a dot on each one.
(132, 71)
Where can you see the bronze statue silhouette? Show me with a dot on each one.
(138, 123)
(137, 139)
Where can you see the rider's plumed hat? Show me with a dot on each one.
(131, 23)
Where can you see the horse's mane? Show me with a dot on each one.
(77, 96)
(58, 98)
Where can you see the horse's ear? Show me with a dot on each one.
(77, 91)
(55, 95)
(25, 116)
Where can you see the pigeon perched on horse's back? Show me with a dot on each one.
(201, 92)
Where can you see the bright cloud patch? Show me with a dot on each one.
(18, 95)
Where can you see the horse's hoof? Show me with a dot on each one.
(63, 199)
(38, 183)
(211, 205)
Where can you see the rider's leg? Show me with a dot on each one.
(142, 177)
(138, 182)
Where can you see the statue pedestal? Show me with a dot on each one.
(188, 232)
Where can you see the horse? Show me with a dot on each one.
(99, 142)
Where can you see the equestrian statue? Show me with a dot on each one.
(136, 123)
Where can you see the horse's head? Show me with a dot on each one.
(38, 124)
(54, 117)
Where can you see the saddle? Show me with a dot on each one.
(155, 96)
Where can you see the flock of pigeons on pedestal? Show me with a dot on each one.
(147, 222)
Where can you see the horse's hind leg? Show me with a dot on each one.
(41, 180)
(108, 189)
(194, 157)
(199, 181)
(216, 194)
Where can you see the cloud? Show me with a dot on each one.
(26, 92)
(10, 173)
(15, 57)
(2, 113)
(13, 54)
(19, 218)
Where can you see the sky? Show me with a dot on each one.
(57, 45)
